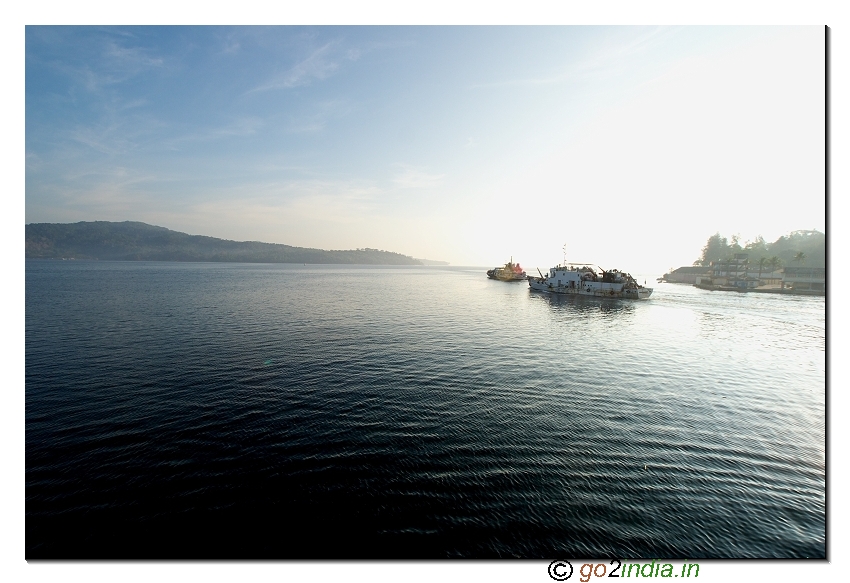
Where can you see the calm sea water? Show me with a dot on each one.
(278, 411)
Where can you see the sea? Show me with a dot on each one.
(268, 411)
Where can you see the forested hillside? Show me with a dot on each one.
(134, 241)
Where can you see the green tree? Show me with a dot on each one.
(757, 247)
(762, 262)
(735, 245)
(800, 257)
(774, 263)
(716, 248)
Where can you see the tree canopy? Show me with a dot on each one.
(810, 245)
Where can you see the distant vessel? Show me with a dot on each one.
(510, 272)
(581, 279)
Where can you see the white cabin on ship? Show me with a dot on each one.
(582, 279)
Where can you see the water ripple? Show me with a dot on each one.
(209, 411)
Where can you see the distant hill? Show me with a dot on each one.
(134, 241)
(431, 262)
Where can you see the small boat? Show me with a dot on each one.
(583, 279)
(510, 272)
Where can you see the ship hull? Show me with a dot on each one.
(510, 272)
(592, 289)
(503, 277)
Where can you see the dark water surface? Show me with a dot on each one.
(279, 411)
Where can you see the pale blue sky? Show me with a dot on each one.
(468, 144)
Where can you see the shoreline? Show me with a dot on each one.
(771, 290)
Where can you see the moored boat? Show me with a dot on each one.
(510, 272)
(582, 279)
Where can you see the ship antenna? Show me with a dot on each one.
(565, 254)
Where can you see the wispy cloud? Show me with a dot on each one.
(601, 58)
(239, 127)
(320, 64)
(293, 203)
(322, 113)
(93, 193)
(33, 161)
(231, 46)
(609, 53)
(114, 181)
(411, 177)
(133, 104)
(245, 126)
(116, 65)
(115, 133)
(132, 58)
(100, 139)
(544, 80)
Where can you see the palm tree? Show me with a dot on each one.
(762, 262)
(774, 263)
(800, 256)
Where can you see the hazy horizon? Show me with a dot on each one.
(470, 145)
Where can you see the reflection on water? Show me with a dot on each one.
(583, 306)
(712, 323)
(262, 411)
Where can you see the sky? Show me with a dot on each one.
(630, 145)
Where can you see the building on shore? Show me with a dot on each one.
(686, 274)
(731, 273)
(805, 279)
(741, 275)
(698, 273)
(771, 278)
